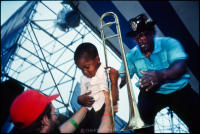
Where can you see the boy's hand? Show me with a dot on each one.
(86, 100)
(114, 75)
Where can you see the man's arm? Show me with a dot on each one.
(176, 70)
(157, 77)
(67, 127)
(106, 121)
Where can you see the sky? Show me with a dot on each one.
(12, 6)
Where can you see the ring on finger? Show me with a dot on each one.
(152, 83)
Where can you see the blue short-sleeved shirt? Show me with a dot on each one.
(166, 51)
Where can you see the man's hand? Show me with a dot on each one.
(115, 108)
(86, 100)
(150, 80)
(153, 79)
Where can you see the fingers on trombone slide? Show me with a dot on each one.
(107, 69)
(121, 72)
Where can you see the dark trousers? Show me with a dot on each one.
(92, 121)
(184, 102)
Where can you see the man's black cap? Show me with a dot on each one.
(140, 24)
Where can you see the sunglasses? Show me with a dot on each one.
(56, 112)
(137, 37)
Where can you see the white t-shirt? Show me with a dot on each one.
(96, 85)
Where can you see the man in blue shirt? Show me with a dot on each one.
(160, 64)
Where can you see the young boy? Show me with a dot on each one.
(93, 85)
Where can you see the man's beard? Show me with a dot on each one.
(148, 47)
(144, 49)
(54, 127)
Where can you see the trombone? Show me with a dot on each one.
(135, 121)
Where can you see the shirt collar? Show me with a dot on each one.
(157, 46)
(100, 70)
(138, 53)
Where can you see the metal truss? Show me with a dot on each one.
(44, 61)
(166, 121)
(44, 57)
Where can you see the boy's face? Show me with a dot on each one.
(87, 65)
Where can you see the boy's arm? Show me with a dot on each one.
(114, 75)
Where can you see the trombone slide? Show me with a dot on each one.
(135, 121)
